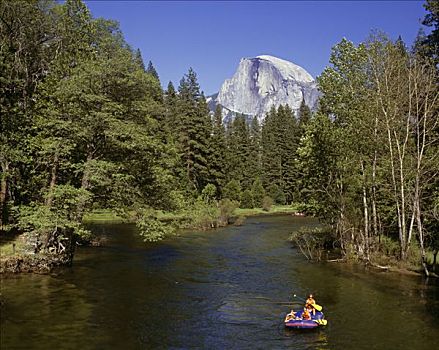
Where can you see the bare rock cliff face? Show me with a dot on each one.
(262, 82)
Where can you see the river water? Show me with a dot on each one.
(219, 289)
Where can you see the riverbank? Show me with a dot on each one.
(109, 216)
(318, 245)
(274, 210)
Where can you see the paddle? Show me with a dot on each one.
(321, 322)
(315, 306)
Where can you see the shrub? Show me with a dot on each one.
(226, 209)
(247, 200)
(267, 203)
(232, 191)
(200, 215)
(209, 193)
(153, 230)
(275, 192)
(312, 241)
(177, 200)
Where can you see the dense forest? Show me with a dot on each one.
(86, 125)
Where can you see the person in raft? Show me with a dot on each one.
(291, 316)
(306, 314)
(309, 304)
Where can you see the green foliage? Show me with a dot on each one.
(62, 213)
(200, 215)
(267, 203)
(151, 71)
(193, 127)
(232, 191)
(363, 160)
(226, 209)
(258, 192)
(85, 125)
(208, 193)
(254, 158)
(428, 45)
(304, 116)
(279, 143)
(24, 32)
(171, 122)
(238, 147)
(83, 120)
(247, 200)
(152, 230)
(388, 246)
(217, 151)
(313, 241)
(276, 193)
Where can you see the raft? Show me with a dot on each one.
(316, 320)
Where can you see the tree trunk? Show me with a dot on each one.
(420, 232)
(366, 215)
(374, 171)
(3, 193)
(85, 185)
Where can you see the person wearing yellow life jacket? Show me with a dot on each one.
(310, 300)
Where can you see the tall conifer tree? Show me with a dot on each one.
(254, 160)
(151, 70)
(238, 143)
(217, 155)
(279, 143)
(194, 130)
(139, 59)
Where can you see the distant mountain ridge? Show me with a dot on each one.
(262, 82)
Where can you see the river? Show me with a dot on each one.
(219, 289)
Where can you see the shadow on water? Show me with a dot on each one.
(224, 288)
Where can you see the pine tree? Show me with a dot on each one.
(139, 59)
(233, 191)
(279, 144)
(254, 158)
(288, 154)
(238, 147)
(217, 148)
(258, 192)
(151, 70)
(170, 115)
(304, 116)
(247, 199)
(193, 126)
(430, 44)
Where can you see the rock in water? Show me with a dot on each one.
(262, 82)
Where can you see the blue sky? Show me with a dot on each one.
(212, 36)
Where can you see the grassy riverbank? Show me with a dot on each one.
(104, 215)
(11, 245)
(109, 216)
(275, 209)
